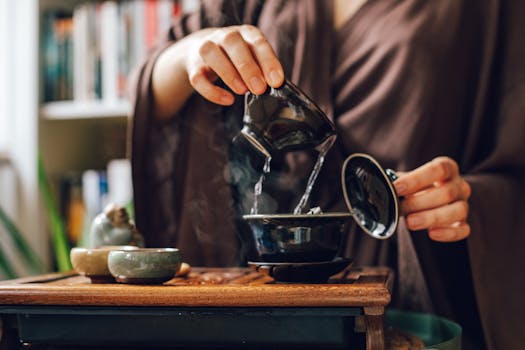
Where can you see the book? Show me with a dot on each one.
(71, 205)
(151, 23)
(120, 190)
(109, 29)
(57, 51)
(82, 54)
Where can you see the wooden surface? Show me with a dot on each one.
(210, 287)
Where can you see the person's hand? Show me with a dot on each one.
(436, 199)
(240, 56)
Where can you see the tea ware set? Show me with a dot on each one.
(286, 119)
(294, 247)
(115, 253)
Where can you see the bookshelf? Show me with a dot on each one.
(71, 110)
(82, 129)
(87, 52)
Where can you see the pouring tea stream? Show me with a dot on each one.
(285, 119)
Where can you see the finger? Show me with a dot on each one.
(263, 52)
(435, 197)
(199, 79)
(242, 58)
(439, 169)
(442, 216)
(215, 58)
(453, 233)
(466, 190)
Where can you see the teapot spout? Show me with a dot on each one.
(258, 144)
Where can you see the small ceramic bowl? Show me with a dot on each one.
(144, 265)
(93, 262)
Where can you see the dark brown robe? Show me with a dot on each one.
(404, 81)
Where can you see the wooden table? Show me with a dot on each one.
(230, 307)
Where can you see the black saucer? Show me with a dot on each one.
(307, 272)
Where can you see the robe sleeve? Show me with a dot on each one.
(152, 162)
(157, 150)
(497, 212)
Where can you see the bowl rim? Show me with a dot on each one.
(108, 248)
(149, 250)
(298, 216)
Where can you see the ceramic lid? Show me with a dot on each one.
(370, 195)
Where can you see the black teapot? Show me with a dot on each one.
(285, 119)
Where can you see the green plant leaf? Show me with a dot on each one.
(6, 267)
(58, 232)
(30, 257)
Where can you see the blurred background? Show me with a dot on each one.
(64, 67)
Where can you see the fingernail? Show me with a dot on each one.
(275, 77)
(226, 99)
(436, 235)
(239, 86)
(401, 187)
(414, 221)
(257, 85)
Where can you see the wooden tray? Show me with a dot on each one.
(212, 306)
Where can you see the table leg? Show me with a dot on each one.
(375, 328)
(8, 335)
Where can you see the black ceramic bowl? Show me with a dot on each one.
(298, 238)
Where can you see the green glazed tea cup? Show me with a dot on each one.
(144, 265)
